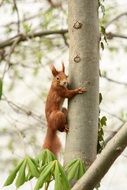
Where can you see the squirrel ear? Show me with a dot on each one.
(63, 67)
(53, 69)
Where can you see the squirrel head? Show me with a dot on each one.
(60, 78)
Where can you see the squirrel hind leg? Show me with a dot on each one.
(58, 121)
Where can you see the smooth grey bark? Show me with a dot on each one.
(83, 72)
(103, 162)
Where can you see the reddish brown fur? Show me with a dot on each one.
(56, 115)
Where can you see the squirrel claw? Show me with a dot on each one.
(66, 129)
(81, 90)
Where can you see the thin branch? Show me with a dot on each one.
(65, 40)
(103, 162)
(113, 132)
(21, 21)
(23, 37)
(114, 115)
(111, 35)
(114, 81)
(55, 4)
(8, 64)
(18, 18)
(116, 18)
(19, 109)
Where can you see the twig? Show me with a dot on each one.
(111, 35)
(19, 109)
(114, 81)
(116, 18)
(65, 40)
(55, 5)
(7, 64)
(18, 17)
(21, 21)
(113, 115)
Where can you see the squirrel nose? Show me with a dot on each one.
(65, 82)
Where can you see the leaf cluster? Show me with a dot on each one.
(46, 168)
(101, 123)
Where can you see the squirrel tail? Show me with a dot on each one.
(52, 141)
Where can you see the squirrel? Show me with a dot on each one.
(56, 115)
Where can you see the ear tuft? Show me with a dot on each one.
(53, 69)
(63, 67)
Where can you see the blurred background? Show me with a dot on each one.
(33, 34)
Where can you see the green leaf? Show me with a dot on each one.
(103, 30)
(21, 175)
(75, 169)
(32, 167)
(67, 166)
(58, 183)
(73, 172)
(81, 170)
(46, 172)
(103, 120)
(45, 157)
(1, 88)
(100, 98)
(102, 46)
(12, 175)
(26, 27)
(61, 182)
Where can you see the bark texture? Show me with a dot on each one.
(83, 72)
(104, 161)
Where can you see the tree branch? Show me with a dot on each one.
(114, 81)
(104, 161)
(111, 35)
(21, 109)
(23, 37)
(116, 18)
(55, 4)
(21, 21)
(18, 18)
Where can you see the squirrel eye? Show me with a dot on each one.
(57, 78)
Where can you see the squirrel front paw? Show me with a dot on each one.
(81, 90)
(66, 129)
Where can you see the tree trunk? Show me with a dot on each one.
(83, 72)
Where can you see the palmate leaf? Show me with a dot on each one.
(68, 166)
(81, 169)
(33, 171)
(21, 175)
(61, 182)
(75, 169)
(12, 175)
(45, 174)
(45, 157)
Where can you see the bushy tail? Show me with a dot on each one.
(52, 141)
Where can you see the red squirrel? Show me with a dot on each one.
(56, 115)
